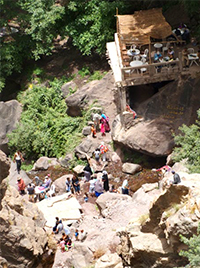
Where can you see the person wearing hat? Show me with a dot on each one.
(21, 185)
(105, 181)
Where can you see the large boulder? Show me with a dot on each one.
(131, 168)
(155, 236)
(163, 113)
(4, 171)
(104, 201)
(10, 112)
(24, 241)
(4, 165)
(82, 256)
(109, 260)
(86, 148)
(85, 96)
(67, 88)
(43, 163)
(60, 184)
(145, 136)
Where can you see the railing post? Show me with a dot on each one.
(180, 61)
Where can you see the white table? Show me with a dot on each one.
(193, 58)
(158, 45)
(136, 63)
(132, 52)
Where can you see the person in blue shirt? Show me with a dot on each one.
(157, 56)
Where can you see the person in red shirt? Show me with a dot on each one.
(21, 186)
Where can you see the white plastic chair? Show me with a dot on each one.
(133, 47)
(190, 50)
(143, 59)
(164, 49)
(143, 70)
(146, 51)
(136, 57)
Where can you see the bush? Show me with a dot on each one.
(193, 252)
(188, 145)
(45, 128)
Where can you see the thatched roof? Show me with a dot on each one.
(142, 25)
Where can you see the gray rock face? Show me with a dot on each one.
(4, 171)
(10, 112)
(43, 163)
(163, 113)
(145, 136)
(67, 87)
(109, 260)
(131, 168)
(60, 184)
(13, 175)
(4, 166)
(173, 212)
(86, 131)
(87, 147)
(85, 96)
(23, 239)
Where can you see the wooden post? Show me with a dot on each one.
(117, 22)
(149, 50)
(180, 61)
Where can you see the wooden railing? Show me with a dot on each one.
(152, 70)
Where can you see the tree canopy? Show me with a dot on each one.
(193, 252)
(29, 28)
(44, 127)
(188, 145)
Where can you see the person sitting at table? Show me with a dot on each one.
(185, 59)
(157, 56)
(170, 53)
(198, 54)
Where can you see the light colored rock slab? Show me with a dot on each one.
(60, 206)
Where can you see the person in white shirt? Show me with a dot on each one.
(125, 187)
(18, 158)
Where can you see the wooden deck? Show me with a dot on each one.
(145, 74)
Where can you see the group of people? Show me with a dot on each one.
(101, 151)
(169, 57)
(31, 187)
(65, 242)
(73, 185)
(101, 123)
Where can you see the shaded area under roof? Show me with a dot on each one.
(142, 25)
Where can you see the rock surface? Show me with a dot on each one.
(43, 163)
(10, 112)
(131, 168)
(162, 114)
(174, 211)
(109, 260)
(85, 96)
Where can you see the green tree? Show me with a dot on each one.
(92, 23)
(44, 127)
(193, 252)
(188, 145)
(28, 30)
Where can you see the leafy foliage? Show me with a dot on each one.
(28, 30)
(188, 145)
(45, 128)
(92, 23)
(193, 252)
